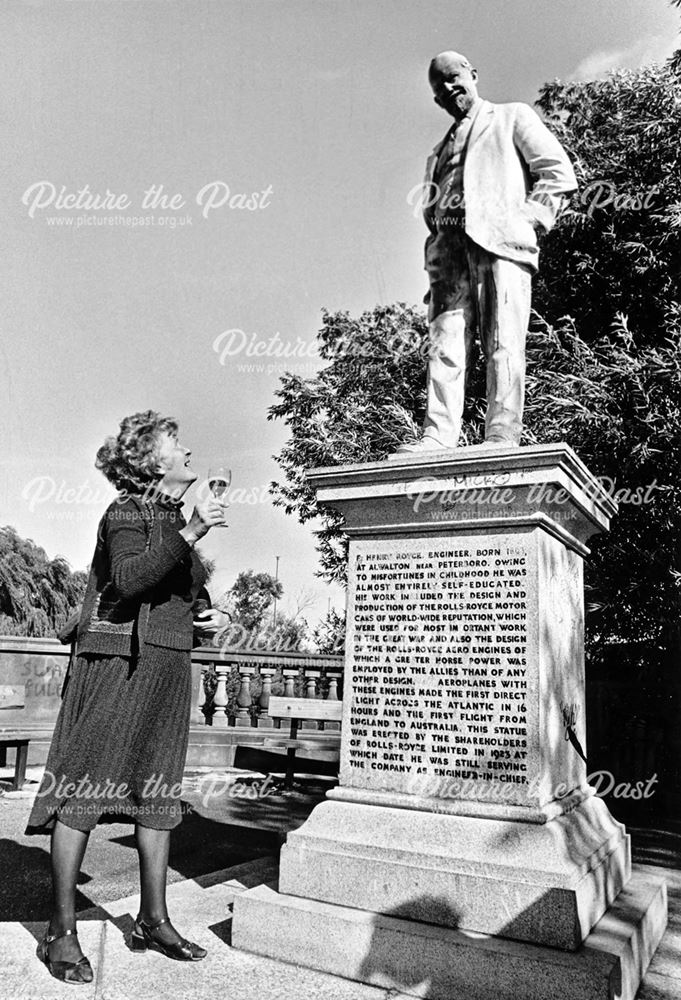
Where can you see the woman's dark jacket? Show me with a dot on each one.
(140, 560)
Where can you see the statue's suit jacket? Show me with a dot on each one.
(515, 172)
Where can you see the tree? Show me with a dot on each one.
(603, 355)
(252, 625)
(249, 598)
(329, 636)
(360, 407)
(618, 404)
(37, 594)
(617, 249)
(610, 279)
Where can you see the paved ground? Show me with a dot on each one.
(226, 843)
(219, 830)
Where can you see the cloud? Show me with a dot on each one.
(653, 48)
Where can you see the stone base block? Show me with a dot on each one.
(544, 883)
(264, 722)
(440, 963)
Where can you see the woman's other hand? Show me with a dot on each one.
(211, 621)
(207, 514)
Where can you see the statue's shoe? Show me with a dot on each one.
(421, 447)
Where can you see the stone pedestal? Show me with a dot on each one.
(463, 805)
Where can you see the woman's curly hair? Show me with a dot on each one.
(129, 460)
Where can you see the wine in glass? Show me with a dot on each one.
(219, 480)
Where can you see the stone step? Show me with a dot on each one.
(440, 963)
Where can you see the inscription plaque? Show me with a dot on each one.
(440, 638)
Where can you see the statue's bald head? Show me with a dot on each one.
(453, 81)
(446, 61)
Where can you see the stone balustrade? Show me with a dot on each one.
(231, 689)
(235, 686)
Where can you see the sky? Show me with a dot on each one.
(253, 161)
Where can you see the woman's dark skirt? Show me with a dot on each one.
(119, 744)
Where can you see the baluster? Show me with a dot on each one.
(311, 678)
(289, 676)
(201, 710)
(333, 685)
(220, 699)
(333, 677)
(244, 699)
(264, 719)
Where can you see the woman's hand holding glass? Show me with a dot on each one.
(208, 513)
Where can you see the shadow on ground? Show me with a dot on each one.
(199, 845)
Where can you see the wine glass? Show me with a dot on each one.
(219, 480)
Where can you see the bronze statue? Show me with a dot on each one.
(496, 176)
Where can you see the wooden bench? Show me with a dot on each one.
(18, 741)
(297, 710)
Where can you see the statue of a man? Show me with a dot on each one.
(497, 176)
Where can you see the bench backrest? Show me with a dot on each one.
(305, 708)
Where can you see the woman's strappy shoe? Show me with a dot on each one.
(66, 972)
(182, 951)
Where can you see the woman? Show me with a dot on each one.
(120, 741)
